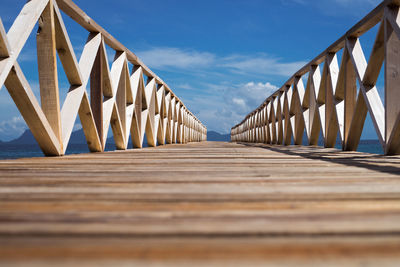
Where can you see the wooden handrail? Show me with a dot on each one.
(119, 97)
(330, 102)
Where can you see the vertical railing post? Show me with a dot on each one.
(392, 86)
(47, 67)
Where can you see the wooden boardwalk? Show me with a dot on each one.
(208, 203)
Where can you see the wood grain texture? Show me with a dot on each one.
(208, 203)
(47, 68)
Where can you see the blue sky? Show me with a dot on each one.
(221, 57)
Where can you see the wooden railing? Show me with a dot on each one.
(332, 102)
(119, 97)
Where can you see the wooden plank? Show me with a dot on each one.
(205, 203)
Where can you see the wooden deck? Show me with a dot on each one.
(208, 203)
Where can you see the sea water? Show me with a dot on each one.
(8, 151)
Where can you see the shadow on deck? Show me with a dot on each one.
(374, 162)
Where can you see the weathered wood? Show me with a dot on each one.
(205, 203)
(47, 67)
(392, 94)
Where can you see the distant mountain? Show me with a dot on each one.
(25, 139)
(77, 138)
(214, 136)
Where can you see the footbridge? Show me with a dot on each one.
(263, 199)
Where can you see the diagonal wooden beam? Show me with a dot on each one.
(369, 92)
(20, 91)
(137, 84)
(74, 97)
(65, 49)
(19, 33)
(89, 125)
(297, 98)
(96, 94)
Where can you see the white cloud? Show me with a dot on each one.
(239, 102)
(12, 128)
(191, 61)
(220, 112)
(243, 98)
(261, 64)
(167, 57)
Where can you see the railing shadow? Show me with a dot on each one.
(375, 162)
